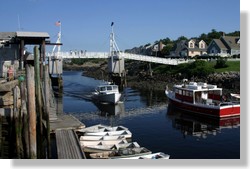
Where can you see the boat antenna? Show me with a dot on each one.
(18, 21)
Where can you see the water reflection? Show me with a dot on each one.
(199, 126)
(110, 109)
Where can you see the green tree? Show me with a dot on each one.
(166, 50)
(181, 38)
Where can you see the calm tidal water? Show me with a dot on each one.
(153, 126)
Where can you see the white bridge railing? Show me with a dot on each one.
(98, 55)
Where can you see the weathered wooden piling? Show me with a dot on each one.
(25, 120)
(38, 100)
(1, 137)
(31, 110)
(17, 122)
(47, 106)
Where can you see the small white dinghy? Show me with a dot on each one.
(107, 142)
(159, 155)
(101, 138)
(103, 148)
(101, 128)
(121, 153)
(126, 133)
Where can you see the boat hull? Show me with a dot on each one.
(159, 155)
(104, 148)
(101, 128)
(101, 138)
(215, 111)
(126, 133)
(123, 153)
(112, 98)
(107, 142)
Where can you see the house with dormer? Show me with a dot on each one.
(189, 48)
(225, 46)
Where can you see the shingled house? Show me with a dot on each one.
(225, 46)
(189, 48)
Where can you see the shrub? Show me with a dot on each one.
(220, 63)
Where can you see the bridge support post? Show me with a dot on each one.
(150, 70)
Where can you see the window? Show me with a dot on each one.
(191, 45)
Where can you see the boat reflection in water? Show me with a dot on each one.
(110, 109)
(199, 126)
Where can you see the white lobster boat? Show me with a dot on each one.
(107, 93)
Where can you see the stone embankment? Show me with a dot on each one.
(229, 81)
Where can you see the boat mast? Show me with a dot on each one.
(114, 50)
(111, 50)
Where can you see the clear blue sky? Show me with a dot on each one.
(86, 23)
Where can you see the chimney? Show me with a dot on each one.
(160, 46)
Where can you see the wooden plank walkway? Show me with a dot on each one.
(68, 146)
(65, 122)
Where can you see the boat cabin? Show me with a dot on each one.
(107, 89)
(198, 93)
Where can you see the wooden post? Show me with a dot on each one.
(16, 121)
(38, 100)
(47, 105)
(150, 70)
(1, 138)
(21, 55)
(42, 58)
(25, 120)
(41, 62)
(31, 110)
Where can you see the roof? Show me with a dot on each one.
(28, 37)
(7, 35)
(220, 44)
(32, 34)
(231, 41)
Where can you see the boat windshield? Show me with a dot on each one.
(109, 87)
(103, 88)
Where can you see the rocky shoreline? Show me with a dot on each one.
(229, 81)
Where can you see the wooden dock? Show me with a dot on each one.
(64, 126)
(68, 146)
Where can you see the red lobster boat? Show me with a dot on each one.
(203, 98)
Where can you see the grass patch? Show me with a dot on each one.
(232, 66)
